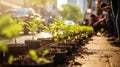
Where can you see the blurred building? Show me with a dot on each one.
(52, 8)
(82, 4)
(91, 8)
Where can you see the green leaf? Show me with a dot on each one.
(69, 38)
(65, 41)
(3, 46)
(44, 60)
(56, 39)
(45, 52)
(34, 56)
(10, 59)
(12, 31)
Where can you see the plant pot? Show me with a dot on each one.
(67, 47)
(16, 49)
(2, 57)
(28, 62)
(60, 55)
(45, 41)
(74, 45)
(32, 44)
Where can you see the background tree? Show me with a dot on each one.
(38, 3)
(71, 12)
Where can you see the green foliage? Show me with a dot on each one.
(13, 28)
(59, 30)
(38, 3)
(3, 47)
(44, 60)
(3, 24)
(9, 28)
(12, 31)
(65, 41)
(38, 23)
(69, 38)
(71, 12)
(10, 59)
(45, 52)
(33, 26)
(56, 29)
(34, 56)
(3, 21)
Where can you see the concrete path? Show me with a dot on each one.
(22, 38)
(99, 53)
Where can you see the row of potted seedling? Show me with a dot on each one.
(61, 34)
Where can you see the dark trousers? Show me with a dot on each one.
(118, 17)
(116, 14)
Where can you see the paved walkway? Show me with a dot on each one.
(99, 54)
(22, 38)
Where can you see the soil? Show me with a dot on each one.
(59, 54)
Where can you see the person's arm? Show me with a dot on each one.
(106, 8)
(89, 23)
(103, 19)
(100, 21)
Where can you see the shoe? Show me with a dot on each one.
(107, 35)
(111, 38)
(116, 42)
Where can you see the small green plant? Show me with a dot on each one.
(14, 29)
(45, 52)
(9, 28)
(33, 26)
(35, 57)
(3, 47)
(59, 31)
(10, 59)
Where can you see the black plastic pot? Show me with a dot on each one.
(2, 58)
(67, 47)
(32, 44)
(60, 55)
(45, 41)
(25, 61)
(16, 49)
(29, 65)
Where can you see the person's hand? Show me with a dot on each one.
(107, 8)
(102, 23)
(95, 24)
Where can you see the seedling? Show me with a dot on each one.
(3, 47)
(9, 28)
(33, 26)
(10, 59)
(45, 52)
(14, 29)
(34, 56)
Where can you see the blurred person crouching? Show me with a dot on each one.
(94, 23)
